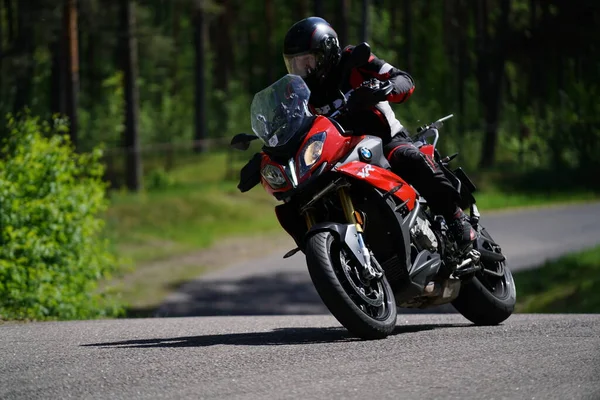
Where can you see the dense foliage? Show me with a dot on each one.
(520, 75)
(51, 251)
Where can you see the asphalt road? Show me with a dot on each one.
(301, 357)
(261, 353)
(274, 286)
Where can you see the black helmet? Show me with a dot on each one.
(311, 48)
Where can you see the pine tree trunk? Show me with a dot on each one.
(177, 45)
(72, 98)
(25, 46)
(58, 75)
(221, 35)
(129, 59)
(319, 10)
(300, 11)
(365, 26)
(1, 51)
(200, 86)
(393, 37)
(10, 19)
(269, 49)
(463, 62)
(490, 75)
(408, 35)
(344, 22)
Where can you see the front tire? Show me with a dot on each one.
(368, 315)
(488, 299)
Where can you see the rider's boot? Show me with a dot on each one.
(461, 229)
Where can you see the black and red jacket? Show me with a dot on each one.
(379, 120)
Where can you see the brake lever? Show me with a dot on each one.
(384, 90)
(387, 88)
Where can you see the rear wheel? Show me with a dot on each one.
(490, 296)
(366, 308)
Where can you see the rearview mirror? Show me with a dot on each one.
(241, 141)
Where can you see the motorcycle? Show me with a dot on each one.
(370, 241)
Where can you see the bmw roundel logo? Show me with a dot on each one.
(365, 153)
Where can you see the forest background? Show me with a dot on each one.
(521, 76)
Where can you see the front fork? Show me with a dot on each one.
(353, 217)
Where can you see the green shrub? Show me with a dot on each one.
(52, 254)
(158, 179)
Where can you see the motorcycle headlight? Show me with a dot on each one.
(311, 152)
(273, 176)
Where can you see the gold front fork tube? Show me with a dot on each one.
(310, 220)
(348, 208)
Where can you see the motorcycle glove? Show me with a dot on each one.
(250, 174)
(365, 97)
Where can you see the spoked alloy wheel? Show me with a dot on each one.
(490, 296)
(493, 275)
(366, 308)
(369, 296)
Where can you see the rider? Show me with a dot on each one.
(311, 50)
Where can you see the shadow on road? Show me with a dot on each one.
(284, 293)
(276, 337)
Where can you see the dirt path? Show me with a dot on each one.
(145, 287)
(225, 252)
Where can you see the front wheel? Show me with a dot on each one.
(366, 309)
(490, 296)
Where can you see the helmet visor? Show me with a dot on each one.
(300, 64)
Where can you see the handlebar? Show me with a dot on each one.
(380, 88)
(436, 125)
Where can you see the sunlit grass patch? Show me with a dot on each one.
(570, 284)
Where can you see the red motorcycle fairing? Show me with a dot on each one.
(428, 150)
(382, 179)
(267, 160)
(337, 145)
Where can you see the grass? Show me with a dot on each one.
(496, 200)
(199, 209)
(570, 284)
(194, 206)
(510, 188)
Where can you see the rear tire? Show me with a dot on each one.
(329, 268)
(486, 299)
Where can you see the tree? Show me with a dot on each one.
(365, 27)
(58, 75)
(408, 34)
(491, 56)
(221, 32)
(270, 36)
(463, 61)
(129, 59)
(319, 11)
(72, 36)
(300, 10)
(25, 47)
(200, 86)
(344, 22)
(511, 64)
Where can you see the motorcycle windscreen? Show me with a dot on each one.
(279, 111)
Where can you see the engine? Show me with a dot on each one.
(423, 236)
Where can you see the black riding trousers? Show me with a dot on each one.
(423, 174)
